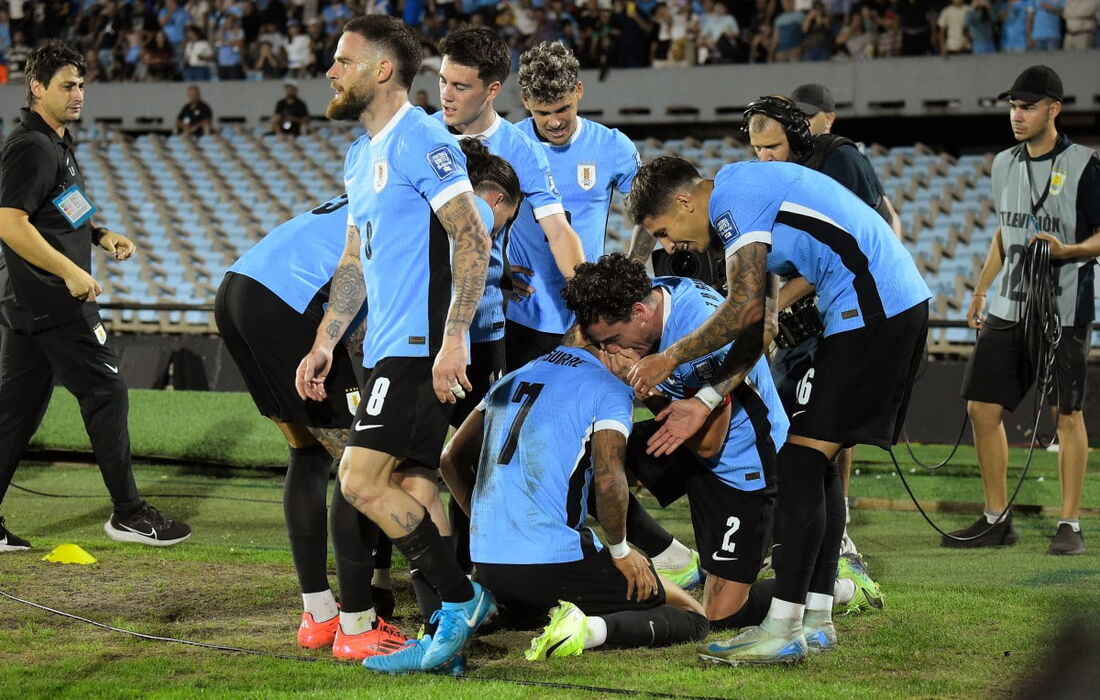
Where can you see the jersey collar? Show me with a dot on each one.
(1060, 145)
(392, 123)
(32, 121)
(488, 133)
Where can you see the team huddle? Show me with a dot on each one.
(466, 262)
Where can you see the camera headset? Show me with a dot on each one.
(789, 116)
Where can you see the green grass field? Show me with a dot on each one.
(956, 624)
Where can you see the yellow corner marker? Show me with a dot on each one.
(69, 554)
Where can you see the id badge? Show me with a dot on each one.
(74, 206)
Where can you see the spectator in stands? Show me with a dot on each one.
(198, 11)
(229, 42)
(718, 32)
(888, 43)
(132, 68)
(196, 116)
(299, 56)
(424, 102)
(916, 18)
(159, 59)
(269, 64)
(980, 26)
(334, 15)
(788, 33)
(320, 46)
(817, 34)
(198, 56)
(17, 56)
(5, 32)
(96, 73)
(853, 41)
(291, 114)
(1080, 17)
(1046, 25)
(762, 44)
(952, 28)
(634, 28)
(173, 21)
(1015, 20)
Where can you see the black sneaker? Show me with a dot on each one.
(982, 534)
(1066, 541)
(10, 542)
(147, 526)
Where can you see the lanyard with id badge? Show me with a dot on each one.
(74, 206)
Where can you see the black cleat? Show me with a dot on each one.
(1067, 541)
(147, 526)
(982, 534)
(10, 542)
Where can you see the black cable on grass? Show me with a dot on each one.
(240, 499)
(311, 659)
(1042, 333)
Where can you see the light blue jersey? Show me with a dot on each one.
(815, 227)
(587, 170)
(535, 473)
(758, 423)
(298, 257)
(533, 171)
(396, 181)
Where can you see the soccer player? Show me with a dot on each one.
(779, 218)
(267, 310)
(589, 162)
(727, 468)
(409, 203)
(546, 435)
(1046, 188)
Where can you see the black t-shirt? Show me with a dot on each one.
(36, 167)
(195, 113)
(851, 168)
(290, 108)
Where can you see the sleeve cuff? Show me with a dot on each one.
(547, 210)
(611, 425)
(744, 239)
(461, 187)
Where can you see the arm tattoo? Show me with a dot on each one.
(641, 244)
(463, 223)
(743, 307)
(348, 288)
(609, 456)
(751, 344)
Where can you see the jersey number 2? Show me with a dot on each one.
(526, 394)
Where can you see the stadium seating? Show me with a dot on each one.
(193, 206)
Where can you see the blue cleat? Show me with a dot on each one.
(409, 658)
(457, 622)
(821, 638)
(756, 645)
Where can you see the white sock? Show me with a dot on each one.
(847, 513)
(818, 602)
(595, 633)
(844, 589)
(381, 579)
(676, 556)
(353, 623)
(1075, 524)
(992, 518)
(782, 610)
(321, 605)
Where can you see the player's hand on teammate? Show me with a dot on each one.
(620, 363)
(449, 370)
(520, 289)
(650, 371)
(974, 313)
(309, 380)
(82, 285)
(682, 419)
(641, 584)
(117, 245)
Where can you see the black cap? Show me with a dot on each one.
(812, 98)
(1034, 84)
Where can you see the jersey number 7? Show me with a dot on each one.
(526, 394)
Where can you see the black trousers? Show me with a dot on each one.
(72, 355)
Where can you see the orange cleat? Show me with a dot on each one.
(317, 635)
(383, 639)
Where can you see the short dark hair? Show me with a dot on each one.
(481, 48)
(484, 168)
(396, 39)
(49, 57)
(607, 289)
(655, 184)
(547, 72)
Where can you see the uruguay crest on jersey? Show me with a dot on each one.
(1057, 180)
(381, 174)
(586, 175)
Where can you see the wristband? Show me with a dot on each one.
(618, 551)
(709, 397)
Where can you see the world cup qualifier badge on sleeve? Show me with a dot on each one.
(726, 228)
(442, 162)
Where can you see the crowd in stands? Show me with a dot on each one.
(197, 40)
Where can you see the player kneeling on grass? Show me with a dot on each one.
(545, 436)
(726, 467)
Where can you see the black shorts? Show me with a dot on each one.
(525, 592)
(267, 339)
(486, 366)
(1001, 371)
(399, 413)
(732, 527)
(858, 389)
(789, 367)
(523, 344)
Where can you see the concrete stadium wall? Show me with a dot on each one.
(902, 87)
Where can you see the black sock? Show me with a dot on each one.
(434, 559)
(426, 599)
(353, 539)
(306, 514)
(460, 529)
(800, 514)
(825, 571)
(656, 627)
(642, 530)
(753, 611)
(383, 553)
